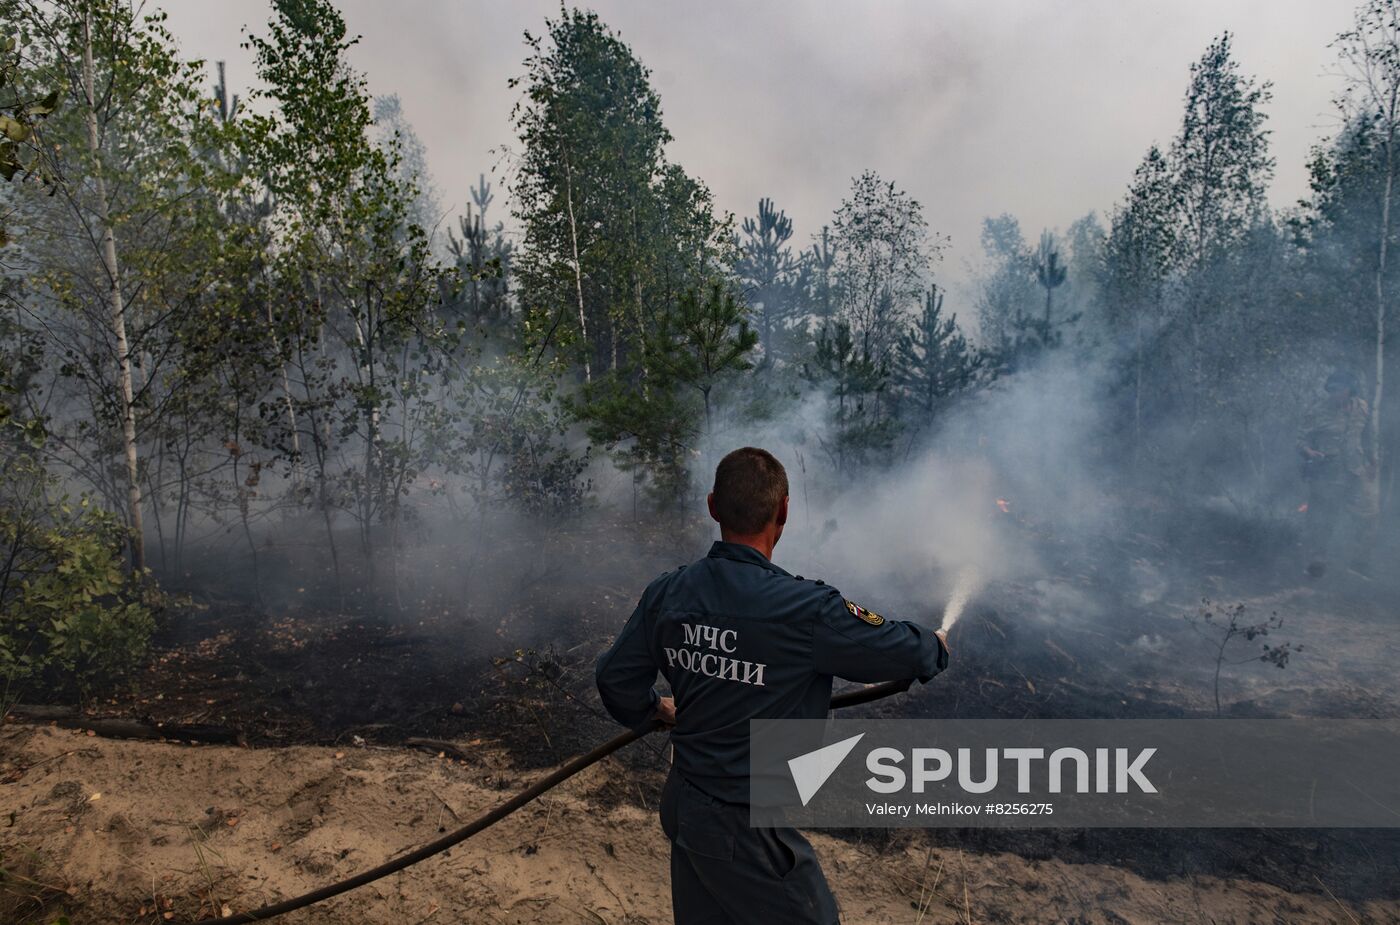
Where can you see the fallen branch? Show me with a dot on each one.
(72, 718)
(438, 746)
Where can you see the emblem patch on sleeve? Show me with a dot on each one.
(874, 619)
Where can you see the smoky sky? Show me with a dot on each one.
(1039, 109)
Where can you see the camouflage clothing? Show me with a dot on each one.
(1340, 432)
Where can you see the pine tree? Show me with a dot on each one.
(483, 256)
(934, 361)
(769, 271)
(397, 135)
(821, 264)
(855, 382)
(1049, 271)
(707, 337)
(689, 351)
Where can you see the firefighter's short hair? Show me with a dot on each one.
(749, 484)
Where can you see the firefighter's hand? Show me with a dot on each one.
(666, 711)
(943, 638)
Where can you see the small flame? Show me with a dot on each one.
(1303, 508)
(1004, 505)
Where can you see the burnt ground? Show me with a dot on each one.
(1078, 640)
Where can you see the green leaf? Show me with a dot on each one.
(45, 106)
(13, 129)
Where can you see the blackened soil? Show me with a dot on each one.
(301, 674)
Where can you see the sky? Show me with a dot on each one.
(1036, 108)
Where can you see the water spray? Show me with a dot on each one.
(964, 585)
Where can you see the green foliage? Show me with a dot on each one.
(705, 338)
(1007, 292)
(865, 279)
(156, 154)
(1140, 244)
(1050, 271)
(483, 256)
(544, 478)
(505, 435)
(1344, 221)
(617, 244)
(1194, 283)
(588, 192)
(297, 343)
(821, 291)
(71, 616)
(366, 348)
(22, 114)
(654, 431)
(316, 138)
(858, 432)
(1220, 158)
(1016, 330)
(934, 363)
(882, 257)
(772, 275)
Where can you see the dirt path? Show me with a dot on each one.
(128, 832)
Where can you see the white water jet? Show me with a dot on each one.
(967, 582)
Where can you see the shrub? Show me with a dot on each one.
(71, 616)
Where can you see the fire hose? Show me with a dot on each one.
(848, 698)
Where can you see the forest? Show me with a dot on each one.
(251, 365)
(230, 320)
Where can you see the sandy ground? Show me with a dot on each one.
(137, 832)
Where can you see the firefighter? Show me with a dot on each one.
(1339, 467)
(738, 638)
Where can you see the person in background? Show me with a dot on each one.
(1336, 446)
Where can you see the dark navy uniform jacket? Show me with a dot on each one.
(738, 639)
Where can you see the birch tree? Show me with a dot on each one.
(124, 164)
(1370, 58)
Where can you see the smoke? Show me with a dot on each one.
(951, 510)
